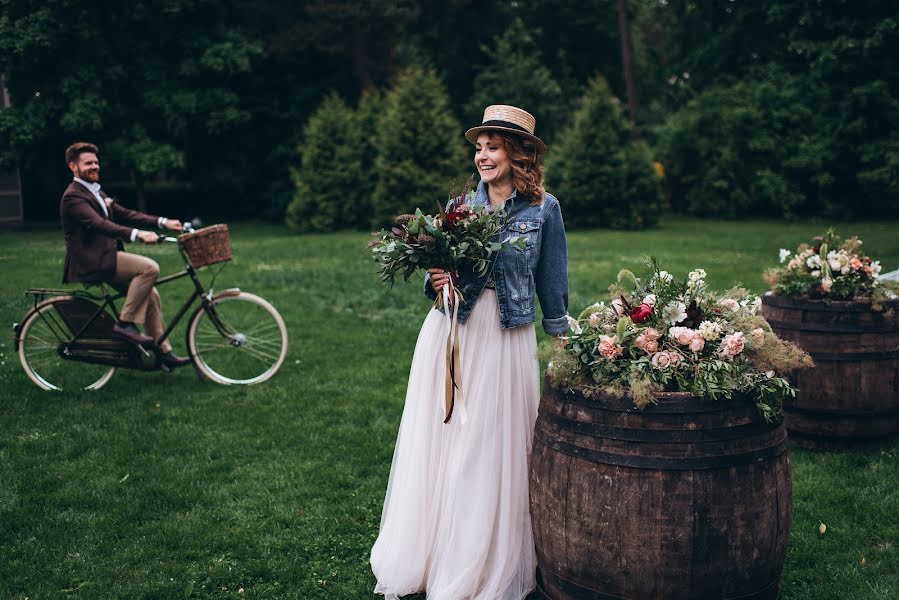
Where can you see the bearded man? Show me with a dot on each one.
(95, 228)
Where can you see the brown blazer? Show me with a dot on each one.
(92, 239)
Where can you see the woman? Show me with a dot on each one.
(456, 521)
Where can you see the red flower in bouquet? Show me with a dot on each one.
(641, 313)
(454, 216)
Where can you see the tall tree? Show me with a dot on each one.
(420, 146)
(627, 61)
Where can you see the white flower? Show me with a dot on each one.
(665, 276)
(756, 306)
(784, 254)
(696, 275)
(675, 312)
(815, 273)
(709, 330)
(769, 374)
(650, 300)
(813, 262)
(573, 325)
(595, 320)
(875, 269)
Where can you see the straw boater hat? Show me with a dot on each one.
(502, 117)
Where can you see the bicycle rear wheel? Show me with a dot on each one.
(40, 336)
(239, 339)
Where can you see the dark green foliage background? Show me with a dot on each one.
(787, 108)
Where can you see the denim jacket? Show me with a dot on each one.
(541, 267)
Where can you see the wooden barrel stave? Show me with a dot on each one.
(852, 396)
(692, 516)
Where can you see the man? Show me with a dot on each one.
(95, 227)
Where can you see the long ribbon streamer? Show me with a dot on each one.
(453, 363)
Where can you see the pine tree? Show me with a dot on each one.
(329, 169)
(601, 175)
(517, 77)
(420, 147)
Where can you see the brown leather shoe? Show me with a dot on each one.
(130, 333)
(170, 360)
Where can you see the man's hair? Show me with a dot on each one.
(77, 149)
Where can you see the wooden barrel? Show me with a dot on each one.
(852, 396)
(685, 499)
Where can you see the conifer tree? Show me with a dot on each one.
(420, 147)
(329, 167)
(603, 176)
(517, 77)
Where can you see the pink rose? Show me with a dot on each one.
(652, 334)
(684, 335)
(697, 343)
(661, 360)
(731, 345)
(618, 306)
(640, 342)
(855, 263)
(757, 336)
(730, 304)
(676, 358)
(651, 347)
(826, 284)
(608, 348)
(649, 300)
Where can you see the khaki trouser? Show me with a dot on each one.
(137, 274)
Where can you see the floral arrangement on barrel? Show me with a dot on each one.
(829, 268)
(664, 335)
(461, 236)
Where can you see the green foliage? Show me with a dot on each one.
(601, 174)
(733, 150)
(326, 194)
(419, 146)
(516, 75)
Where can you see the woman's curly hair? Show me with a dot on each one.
(527, 164)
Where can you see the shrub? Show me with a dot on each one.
(601, 174)
(325, 182)
(419, 147)
(516, 58)
(733, 150)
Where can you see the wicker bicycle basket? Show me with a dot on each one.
(206, 246)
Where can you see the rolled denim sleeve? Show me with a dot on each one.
(552, 273)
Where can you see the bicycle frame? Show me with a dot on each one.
(199, 292)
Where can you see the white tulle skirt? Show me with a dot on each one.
(456, 522)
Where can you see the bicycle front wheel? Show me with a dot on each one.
(237, 339)
(40, 336)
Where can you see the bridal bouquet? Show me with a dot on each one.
(460, 235)
(828, 268)
(661, 334)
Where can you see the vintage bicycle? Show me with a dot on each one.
(234, 337)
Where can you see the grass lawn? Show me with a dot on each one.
(161, 486)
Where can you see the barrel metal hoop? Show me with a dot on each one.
(582, 592)
(687, 463)
(629, 434)
(855, 356)
(826, 414)
(831, 327)
(691, 405)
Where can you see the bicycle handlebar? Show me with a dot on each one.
(186, 228)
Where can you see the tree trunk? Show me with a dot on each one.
(627, 63)
(138, 182)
